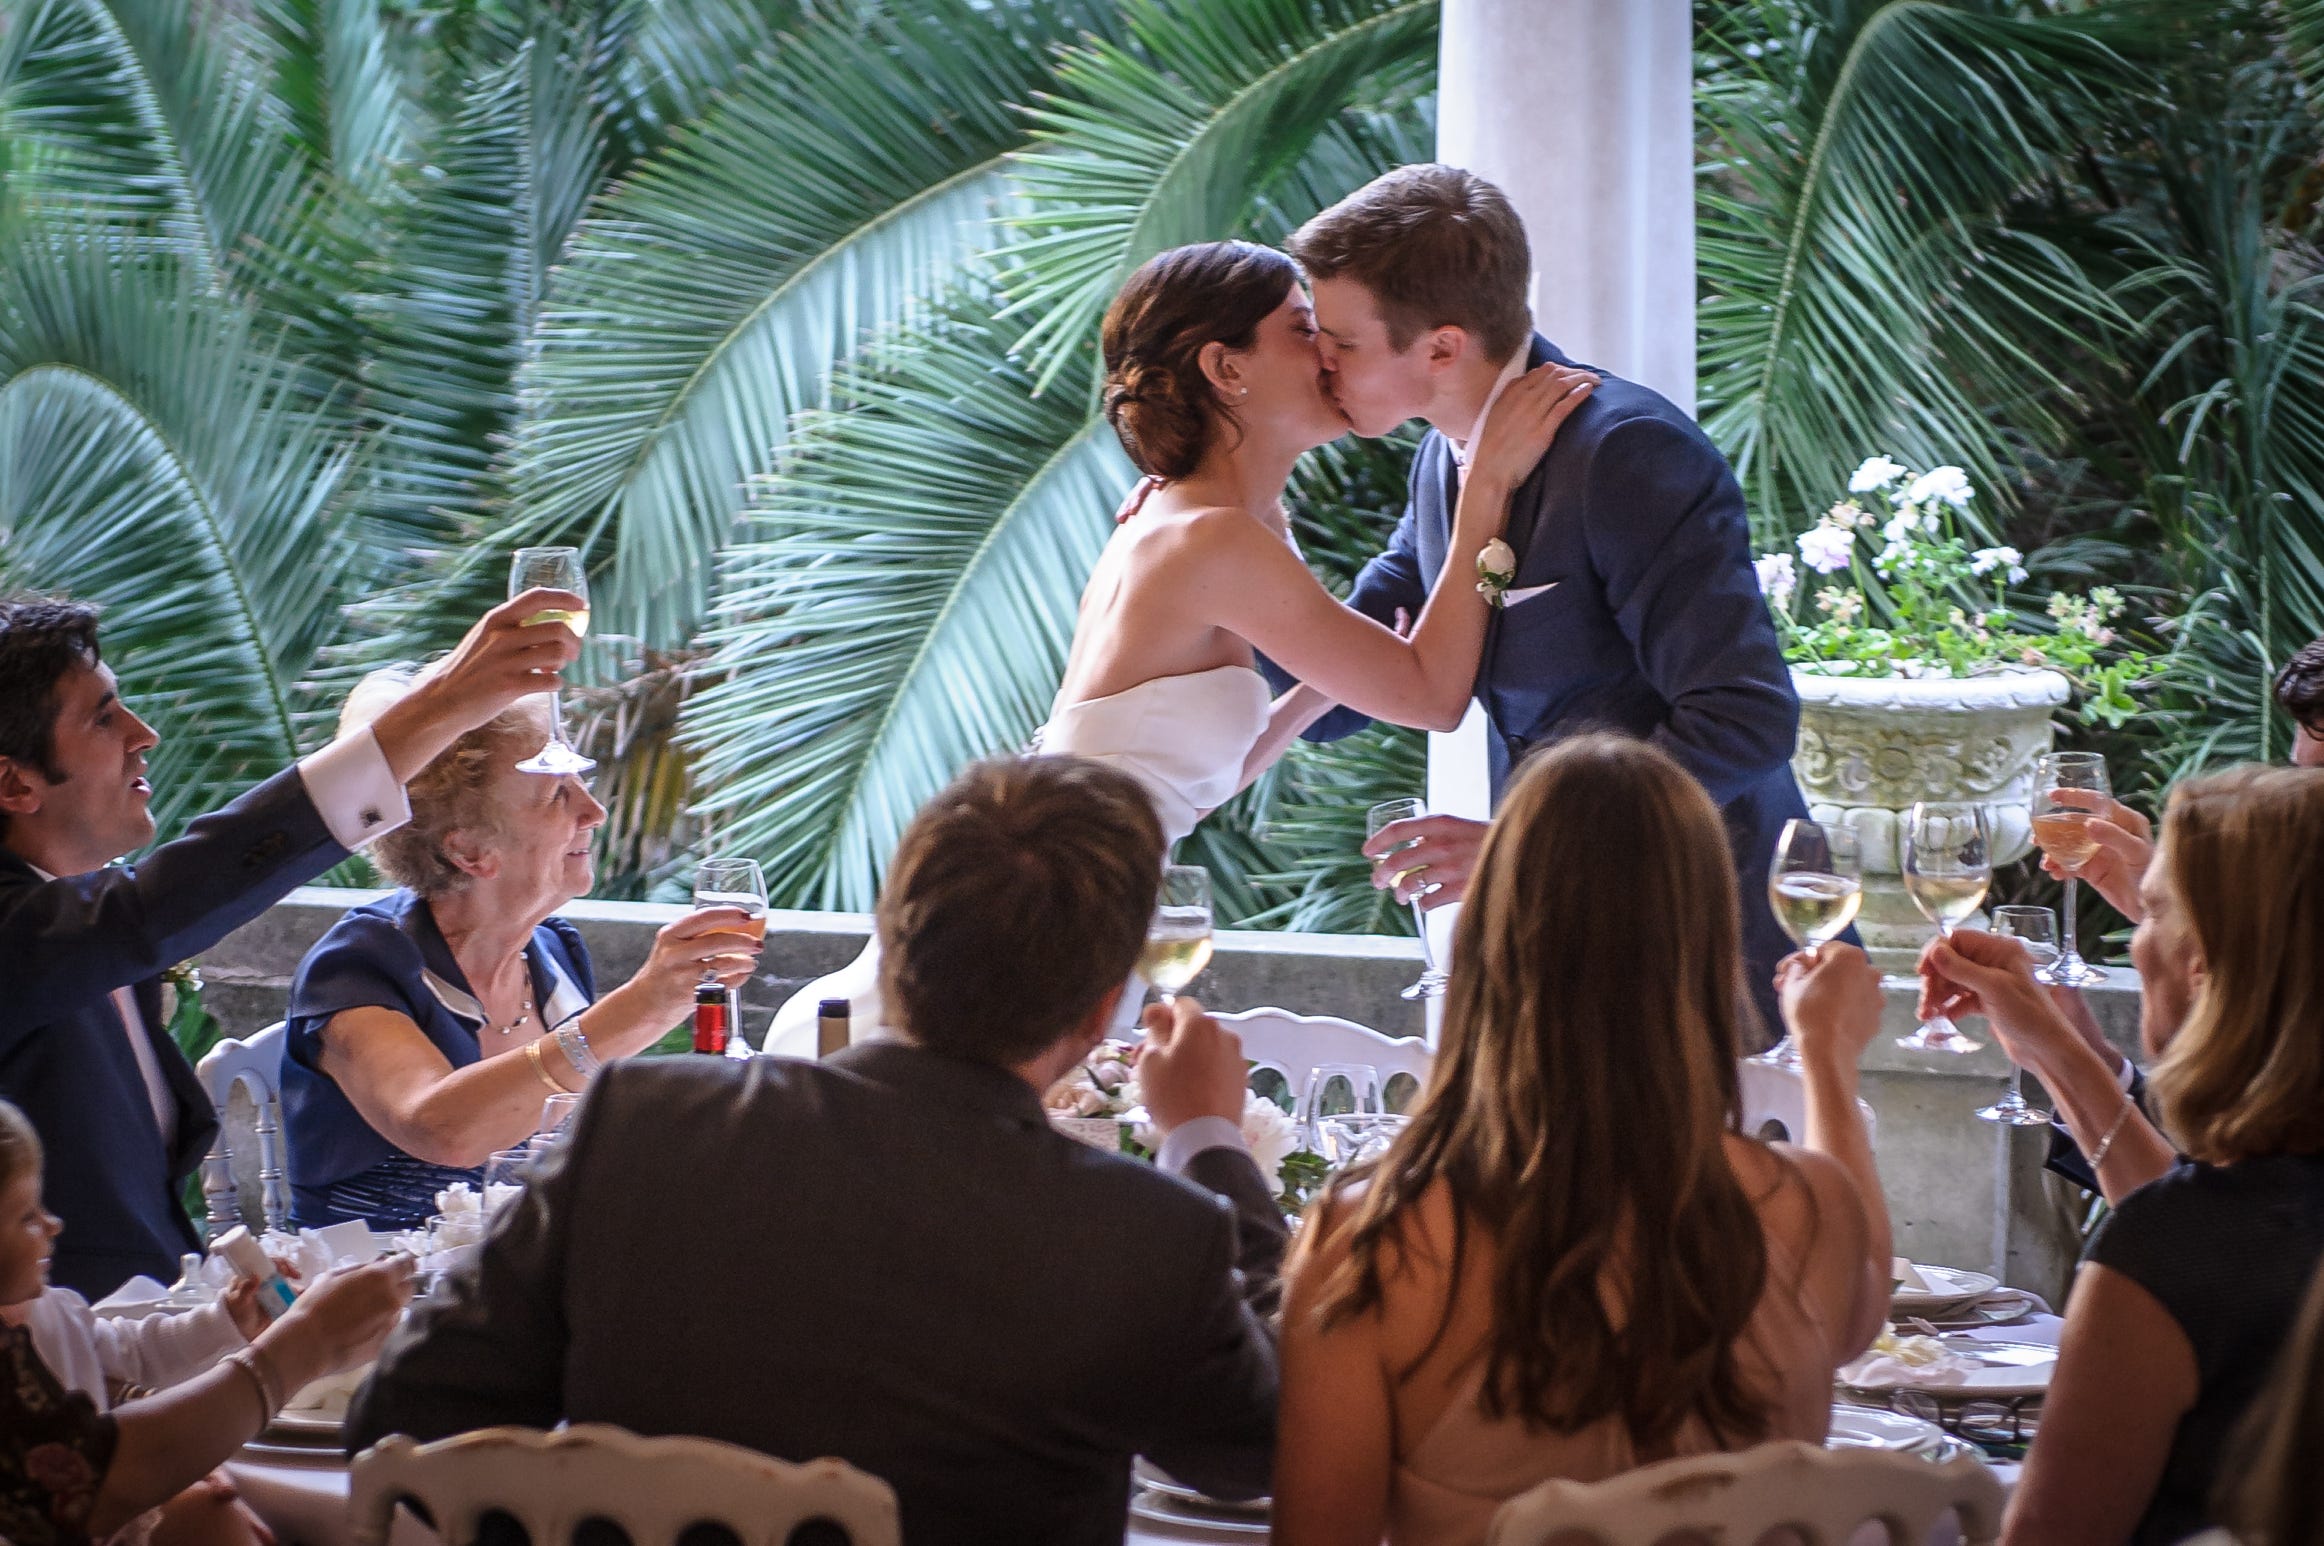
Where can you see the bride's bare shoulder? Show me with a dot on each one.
(1199, 531)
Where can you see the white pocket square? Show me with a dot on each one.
(1510, 598)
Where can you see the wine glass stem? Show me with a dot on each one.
(2016, 1090)
(557, 718)
(2070, 952)
(1427, 950)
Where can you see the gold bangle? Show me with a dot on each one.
(533, 1056)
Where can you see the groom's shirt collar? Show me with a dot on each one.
(1462, 447)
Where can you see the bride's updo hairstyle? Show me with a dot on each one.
(1156, 396)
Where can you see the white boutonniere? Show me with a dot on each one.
(1496, 571)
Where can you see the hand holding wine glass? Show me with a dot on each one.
(2070, 788)
(1948, 867)
(561, 569)
(1815, 884)
(728, 885)
(2036, 928)
(1178, 941)
(1431, 982)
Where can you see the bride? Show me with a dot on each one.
(1215, 386)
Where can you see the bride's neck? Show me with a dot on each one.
(1248, 473)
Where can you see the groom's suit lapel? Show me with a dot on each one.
(1528, 507)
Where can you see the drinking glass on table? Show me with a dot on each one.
(1386, 813)
(554, 569)
(2036, 928)
(556, 1115)
(506, 1168)
(1815, 884)
(1178, 941)
(2069, 788)
(1343, 1115)
(1948, 867)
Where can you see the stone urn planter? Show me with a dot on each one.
(1870, 747)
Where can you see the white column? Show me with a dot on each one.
(1582, 111)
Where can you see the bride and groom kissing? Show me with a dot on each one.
(1204, 646)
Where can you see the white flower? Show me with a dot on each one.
(1778, 577)
(1949, 484)
(2010, 560)
(1271, 1137)
(1876, 472)
(1848, 515)
(1900, 528)
(1826, 548)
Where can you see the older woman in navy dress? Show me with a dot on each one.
(426, 1028)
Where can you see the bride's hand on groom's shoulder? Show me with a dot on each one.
(1525, 420)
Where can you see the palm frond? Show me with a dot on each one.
(1861, 292)
(1167, 137)
(2304, 42)
(340, 83)
(705, 301)
(160, 457)
(902, 602)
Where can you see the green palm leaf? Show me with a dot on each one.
(1167, 138)
(902, 603)
(159, 457)
(705, 301)
(1861, 293)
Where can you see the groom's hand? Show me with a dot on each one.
(1437, 864)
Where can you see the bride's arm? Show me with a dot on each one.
(1287, 721)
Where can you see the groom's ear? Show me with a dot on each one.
(1447, 347)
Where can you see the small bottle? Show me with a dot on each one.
(249, 1260)
(832, 1029)
(714, 1015)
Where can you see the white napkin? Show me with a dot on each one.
(1885, 1371)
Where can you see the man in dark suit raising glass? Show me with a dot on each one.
(83, 941)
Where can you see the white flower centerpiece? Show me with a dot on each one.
(1919, 680)
(1100, 1103)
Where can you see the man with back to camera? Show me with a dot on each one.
(83, 941)
(890, 1256)
(1634, 605)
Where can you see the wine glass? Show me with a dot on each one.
(2069, 788)
(1178, 941)
(1343, 1115)
(1815, 884)
(556, 1113)
(554, 569)
(2037, 929)
(733, 883)
(1948, 865)
(1432, 978)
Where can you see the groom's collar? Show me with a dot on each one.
(1509, 372)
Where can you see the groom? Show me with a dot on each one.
(1634, 606)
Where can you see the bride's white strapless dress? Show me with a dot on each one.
(1185, 738)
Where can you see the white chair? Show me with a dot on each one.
(1292, 1044)
(256, 1066)
(652, 1488)
(1775, 1104)
(1824, 1495)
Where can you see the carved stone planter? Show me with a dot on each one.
(1869, 748)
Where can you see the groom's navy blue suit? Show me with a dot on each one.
(1652, 625)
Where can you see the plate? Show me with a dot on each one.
(1947, 1286)
(1155, 1479)
(300, 1427)
(2004, 1369)
(1998, 1308)
(1869, 1427)
(1162, 1509)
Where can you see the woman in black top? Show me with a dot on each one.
(2187, 1293)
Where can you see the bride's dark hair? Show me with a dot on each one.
(1156, 396)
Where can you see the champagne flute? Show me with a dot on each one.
(2069, 788)
(1815, 884)
(1178, 941)
(1948, 866)
(554, 569)
(1432, 978)
(2036, 928)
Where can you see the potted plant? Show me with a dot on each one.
(1918, 680)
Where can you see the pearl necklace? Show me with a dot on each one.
(526, 1013)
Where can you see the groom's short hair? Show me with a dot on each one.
(1018, 898)
(1437, 247)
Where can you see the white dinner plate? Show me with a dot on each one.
(1947, 1286)
(297, 1426)
(1151, 1476)
(2004, 1369)
(1870, 1427)
(1163, 1509)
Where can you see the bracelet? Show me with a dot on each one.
(269, 1400)
(575, 1045)
(533, 1056)
(2098, 1155)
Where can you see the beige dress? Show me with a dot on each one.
(1446, 1488)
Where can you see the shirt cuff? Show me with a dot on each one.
(355, 790)
(1183, 1142)
(2126, 1075)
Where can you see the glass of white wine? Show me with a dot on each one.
(1343, 1116)
(1432, 978)
(1815, 884)
(2036, 928)
(2069, 788)
(1178, 941)
(554, 569)
(1948, 867)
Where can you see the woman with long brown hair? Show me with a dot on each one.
(1572, 1262)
